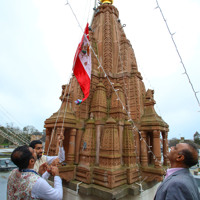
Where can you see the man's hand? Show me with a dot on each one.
(55, 162)
(42, 168)
(54, 171)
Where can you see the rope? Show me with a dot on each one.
(150, 85)
(67, 3)
(9, 115)
(179, 55)
(66, 106)
(89, 11)
(58, 117)
(11, 118)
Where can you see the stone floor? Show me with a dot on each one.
(71, 195)
(145, 195)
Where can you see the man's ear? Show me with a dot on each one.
(32, 161)
(180, 158)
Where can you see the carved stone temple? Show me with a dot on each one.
(103, 149)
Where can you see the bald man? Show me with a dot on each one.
(179, 182)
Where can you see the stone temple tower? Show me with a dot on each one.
(103, 149)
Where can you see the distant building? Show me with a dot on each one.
(38, 136)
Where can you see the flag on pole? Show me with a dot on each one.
(82, 65)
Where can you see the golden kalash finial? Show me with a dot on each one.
(106, 1)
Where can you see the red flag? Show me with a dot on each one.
(82, 65)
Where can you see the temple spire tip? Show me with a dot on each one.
(106, 1)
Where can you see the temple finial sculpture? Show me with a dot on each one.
(106, 1)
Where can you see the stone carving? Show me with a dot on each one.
(109, 156)
(101, 145)
(150, 94)
(99, 102)
(129, 151)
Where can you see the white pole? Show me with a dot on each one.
(95, 3)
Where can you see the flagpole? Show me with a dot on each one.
(95, 3)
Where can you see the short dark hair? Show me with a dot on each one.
(189, 159)
(34, 142)
(21, 156)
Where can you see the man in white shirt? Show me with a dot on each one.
(25, 183)
(41, 159)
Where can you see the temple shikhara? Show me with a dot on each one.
(104, 148)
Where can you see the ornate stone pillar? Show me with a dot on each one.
(52, 143)
(59, 132)
(151, 148)
(71, 152)
(98, 132)
(137, 146)
(99, 125)
(78, 143)
(88, 145)
(129, 155)
(165, 147)
(144, 153)
(47, 140)
(156, 148)
(109, 154)
(149, 144)
(121, 128)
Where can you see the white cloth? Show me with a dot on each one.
(46, 175)
(61, 156)
(42, 190)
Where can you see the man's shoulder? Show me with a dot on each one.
(184, 174)
(182, 179)
(13, 173)
(177, 178)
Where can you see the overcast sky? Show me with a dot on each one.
(38, 40)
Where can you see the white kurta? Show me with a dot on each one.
(42, 190)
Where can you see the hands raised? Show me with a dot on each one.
(54, 171)
(43, 168)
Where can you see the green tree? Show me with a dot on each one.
(173, 142)
(29, 129)
(1, 140)
(196, 138)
